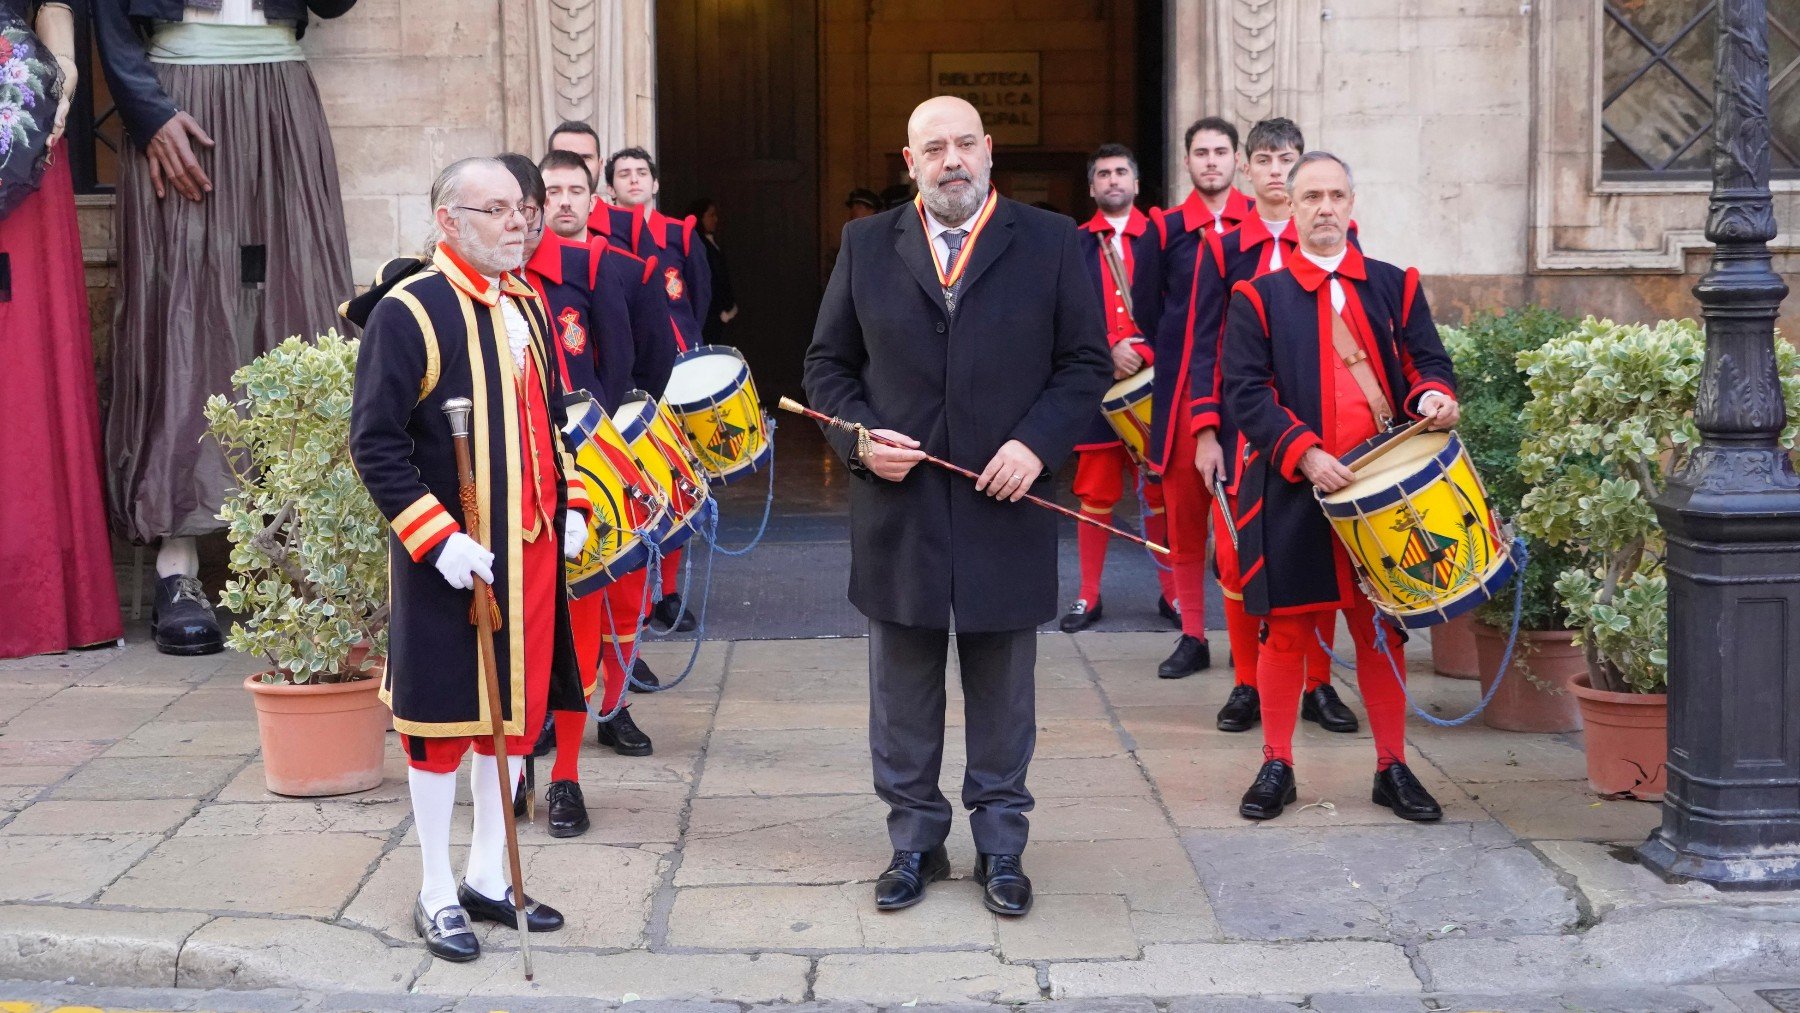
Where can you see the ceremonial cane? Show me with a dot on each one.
(789, 404)
(457, 409)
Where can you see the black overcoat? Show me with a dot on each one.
(1023, 358)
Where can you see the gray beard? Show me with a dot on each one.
(489, 259)
(950, 210)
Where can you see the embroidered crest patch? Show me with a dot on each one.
(672, 283)
(574, 336)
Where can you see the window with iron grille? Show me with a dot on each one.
(96, 134)
(1657, 96)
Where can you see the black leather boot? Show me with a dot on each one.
(1080, 616)
(182, 620)
(906, 877)
(1399, 789)
(641, 674)
(1242, 710)
(1323, 708)
(1191, 655)
(1006, 890)
(622, 735)
(1272, 790)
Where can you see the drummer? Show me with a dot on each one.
(1382, 363)
(1119, 238)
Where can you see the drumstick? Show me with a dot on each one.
(1401, 437)
(789, 404)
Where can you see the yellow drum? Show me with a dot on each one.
(625, 504)
(665, 467)
(1418, 528)
(710, 391)
(1127, 409)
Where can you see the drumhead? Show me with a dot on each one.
(702, 376)
(633, 413)
(1393, 467)
(1131, 385)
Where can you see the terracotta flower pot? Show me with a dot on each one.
(1453, 647)
(326, 739)
(1627, 740)
(1534, 696)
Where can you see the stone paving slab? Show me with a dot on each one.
(81, 819)
(609, 977)
(67, 869)
(296, 953)
(302, 874)
(94, 946)
(923, 977)
(1241, 968)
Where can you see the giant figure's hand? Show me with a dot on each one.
(56, 30)
(892, 463)
(462, 559)
(1010, 474)
(172, 159)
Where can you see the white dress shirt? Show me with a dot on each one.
(518, 331)
(1330, 264)
(230, 12)
(1118, 233)
(934, 230)
(1275, 231)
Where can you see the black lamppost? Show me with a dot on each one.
(1732, 516)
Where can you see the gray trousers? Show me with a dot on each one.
(906, 733)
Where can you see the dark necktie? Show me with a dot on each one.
(953, 241)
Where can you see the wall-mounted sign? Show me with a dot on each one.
(1005, 87)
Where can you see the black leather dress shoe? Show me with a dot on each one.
(447, 934)
(1323, 708)
(1272, 790)
(907, 876)
(1191, 655)
(1006, 890)
(669, 615)
(1080, 616)
(1399, 790)
(1168, 611)
(1242, 710)
(522, 791)
(622, 735)
(540, 917)
(568, 810)
(182, 620)
(641, 674)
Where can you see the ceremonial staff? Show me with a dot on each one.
(485, 615)
(789, 404)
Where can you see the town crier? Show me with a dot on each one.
(1319, 358)
(467, 326)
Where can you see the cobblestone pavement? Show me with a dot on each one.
(139, 848)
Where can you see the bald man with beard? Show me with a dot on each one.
(963, 325)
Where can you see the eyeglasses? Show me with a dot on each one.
(498, 212)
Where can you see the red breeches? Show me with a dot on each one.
(1282, 670)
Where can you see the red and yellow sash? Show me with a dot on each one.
(968, 247)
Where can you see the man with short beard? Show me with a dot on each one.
(1122, 249)
(417, 352)
(961, 325)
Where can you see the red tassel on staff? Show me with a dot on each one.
(471, 520)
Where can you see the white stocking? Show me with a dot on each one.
(433, 799)
(178, 557)
(486, 873)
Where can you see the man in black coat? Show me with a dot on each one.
(962, 325)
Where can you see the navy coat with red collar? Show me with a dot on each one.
(682, 271)
(1144, 238)
(1279, 391)
(612, 333)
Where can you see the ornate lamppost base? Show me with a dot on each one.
(1779, 869)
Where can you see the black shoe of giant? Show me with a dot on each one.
(641, 674)
(447, 934)
(182, 620)
(903, 883)
(538, 917)
(1242, 710)
(1399, 790)
(1168, 611)
(1323, 708)
(1005, 888)
(1272, 790)
(568, 810)
(1191, 655)
(1080, 616)
(668, 615)
(622, 735)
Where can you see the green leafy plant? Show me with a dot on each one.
(1611, 416)
(1491, 392)
(308, 547)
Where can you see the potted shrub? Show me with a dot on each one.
(1534, 691)
(308, 568)
(1611, 416)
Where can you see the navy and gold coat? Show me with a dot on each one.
(440, 334)
(1280, 392)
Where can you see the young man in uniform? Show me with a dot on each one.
(1319, 358)
(1122, 248)
(418, 351)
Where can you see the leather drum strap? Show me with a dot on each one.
(1357, 361)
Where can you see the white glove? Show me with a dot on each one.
(462, 559)
(575, 532)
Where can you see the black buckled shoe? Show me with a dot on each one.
(447, 934)
(182, 620)
(622, 735)
(668, 615)
(524, 789)
(1272, 790)
(1168, 611)
(1006, 890)
(1323, 708)
(539, 917)
(1081, 615)
(906, 877)
(568, 810)
(641, 674)
(1242, 710)
(1191, 655)
(1399, 789)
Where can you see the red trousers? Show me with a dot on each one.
(1101, 477)
(1282, 669)
(605, 628)
(543, 581)
(1245, 630)
(1190, 505)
